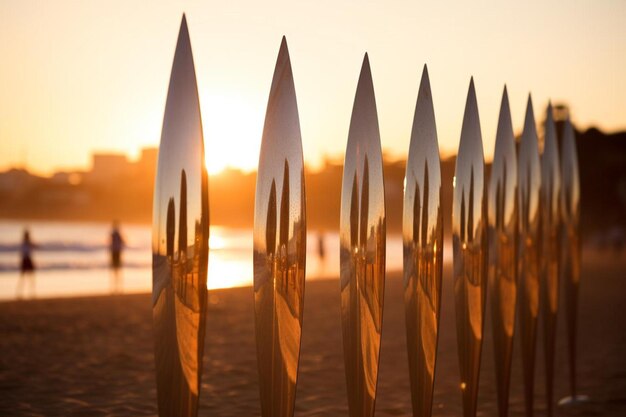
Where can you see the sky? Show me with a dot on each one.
(78, 77)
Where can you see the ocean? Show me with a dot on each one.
(72, 259)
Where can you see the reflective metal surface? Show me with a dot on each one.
(550, 238)
(180, 235)
(279, 245)
(469, 243)
(571, 244)
(502, 215)
(422, 233)
(529, 248)
(362, 250)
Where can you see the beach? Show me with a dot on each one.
(93, 356)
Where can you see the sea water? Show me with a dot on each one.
(73, 259)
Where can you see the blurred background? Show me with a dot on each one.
(83, 88)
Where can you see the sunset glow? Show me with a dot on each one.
(232, 131)
(91, 76)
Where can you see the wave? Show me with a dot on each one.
(73, 266)
(90, 248)
(66, 247)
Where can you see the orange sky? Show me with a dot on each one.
(81, 76)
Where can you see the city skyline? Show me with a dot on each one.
(100, 164)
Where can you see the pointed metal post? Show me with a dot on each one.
(279, 245)
(180, 234)
(362, 250)
(422, 233)
(571, 251)
(529, 249)
(469, 241)
(550, 238)
(502, 214)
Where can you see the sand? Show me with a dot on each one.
(94, 356)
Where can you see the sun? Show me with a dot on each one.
(232, 132)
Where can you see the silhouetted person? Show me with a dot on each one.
(283, 234)
(170, 230)
(321, 247)
(116, 246)
(321, 253)
(27, 266)
(181, 276)
(270, 229)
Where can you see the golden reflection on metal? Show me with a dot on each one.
(279, 245)
(180, 235)
(550, 238)
(571, 248)
(469, 242)
(528, 189)
(422, 232)
(502, 214)
(362, 250)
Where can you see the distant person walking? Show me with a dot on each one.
(321, 247)
(321, 254)
(116, 246)
(27, 266)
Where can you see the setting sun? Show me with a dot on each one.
(232, 125)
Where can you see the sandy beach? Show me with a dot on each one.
(94, 356)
